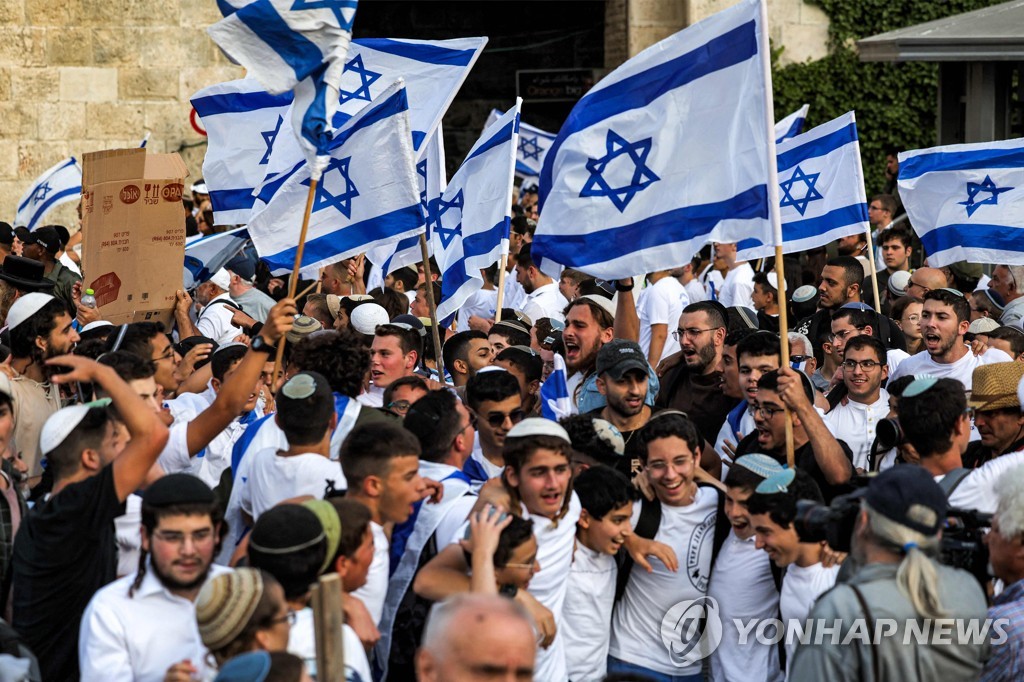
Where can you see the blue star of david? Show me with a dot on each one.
(447, 234)
(325, 199)
(41, 192)
(812, 194)
(336, 6)
(598, 186)
(524, 143)
(366, 79)
(976, 188)
(268, 139)
(421, 170)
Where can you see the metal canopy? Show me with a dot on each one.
(985, 35)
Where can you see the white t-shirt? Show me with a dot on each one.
(738, 287)
(961, 370)
(545, 301)
(663, 303)
(744, 588)
(515, 295)
(482, 303)
(695, 291)
(274, 478)
(636, 625)
(587, 613)
(492, 470)
(302, 643)
(214, 320)
(854, 423)
(977, 489)
(375, 590)
(894, 358)
(801, 586)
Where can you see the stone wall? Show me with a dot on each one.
(84, 75)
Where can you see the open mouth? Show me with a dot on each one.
(572, 349)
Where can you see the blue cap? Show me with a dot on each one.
(251, 667)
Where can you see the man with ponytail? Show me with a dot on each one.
(902, 615)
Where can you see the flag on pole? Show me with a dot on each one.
(368, 194)
(433, 71)
(145, 141)
(241, 120)
(555, 402)
(533, 146)
(666, 153)
(966, 201)
(469, 224)
(58, 185)
(207, 254)
(430, 172)
(822, 187)
(792, 125)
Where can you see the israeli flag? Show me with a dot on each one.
(822, 190)
(145, 141)
(242, 120)
(58, 185)
(555, 402)
(469, 224)
(430, 171)
(433, 70)
(668, 152)
(966, 201)
(792, 125)
(533, 146)
(368, 194)
(207, 254)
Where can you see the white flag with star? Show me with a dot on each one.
(966, 201)
(57, 185)
(532, 148)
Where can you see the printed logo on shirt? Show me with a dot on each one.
(691, 630)
(698, 553)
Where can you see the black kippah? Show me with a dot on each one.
(286, 528)
(175, 489)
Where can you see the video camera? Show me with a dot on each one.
(961, 546)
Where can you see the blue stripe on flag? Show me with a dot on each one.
(678, 225)
(820, 147)
(971, 236)
(351, 237)
(226, 8)
(239, 102)
(523, 169)
(294, 49)
(421, 52)
(41, 211)
(980, 159)
(794, 129)
(499, 138)
(394, 104)
(70, 162)
(231, 199)
(270, 188)
(481, 243)
(811, 227)
(403, 245)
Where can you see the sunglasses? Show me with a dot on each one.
(496, 419)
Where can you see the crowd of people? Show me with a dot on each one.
(170, 494)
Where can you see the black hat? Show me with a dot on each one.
(62, 234)
(174, 489)
(25, 274)
(45, 237)
(286, 529)
(243, 266)
(909, 496)
(620, 356)
(6, 234)
(21, 232)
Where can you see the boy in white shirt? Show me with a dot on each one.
(607, 498)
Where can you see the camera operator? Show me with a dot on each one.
(1006, 555)
(898, 585)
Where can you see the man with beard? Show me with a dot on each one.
(854, 419)
(694, 386)
(997, 413)
(944, 321)
(40, 329)
(841, 280)
(622, 376)
(139, 626)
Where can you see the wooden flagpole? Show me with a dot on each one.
(501, 287)
(293, 281)
(435, 326)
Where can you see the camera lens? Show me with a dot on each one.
(889, 434)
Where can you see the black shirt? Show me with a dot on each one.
(804, 459)
(978, 454)
(630, 464)
(699, 396)
(64, 552)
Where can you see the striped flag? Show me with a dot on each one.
(555, 402)
(207, 254)
(792, 125)
(532, 147)
(58, 185)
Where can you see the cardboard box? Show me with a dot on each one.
(134, 233)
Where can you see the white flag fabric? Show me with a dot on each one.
(966, 201)
(430, 171)
(666, 153)
(433, 71)
(792, 125)
(555, 402)
(207, 254)
(368, 194)
(532, 149)
(469, 224)
(58, 185)
(241, 120)
(822, 190)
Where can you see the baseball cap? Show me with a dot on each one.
(619, 356)
(222, 278)
(45, 237)
(25, 307)
(6, 234)
(242, 266)
(909, 496)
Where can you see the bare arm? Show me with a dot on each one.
(182, 304)
(827, 452)
(659, 334)
(443, 576)
(627, 322)
(147, 431)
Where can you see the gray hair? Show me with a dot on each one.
(437, 635)
(1017, 273)
(1010, 512)
(916, 577)
(797, 337)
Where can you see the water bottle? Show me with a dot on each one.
(89, 299)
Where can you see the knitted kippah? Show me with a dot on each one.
(225, 605)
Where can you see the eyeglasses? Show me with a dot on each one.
(691, 332)
(767, 412)
(289, 618)
(842, 334)
(527, 566)
(912, 283)
(799, 358)
(496, 419)
(174, 537)
(866, 365)
(401, 406)
(169, 355)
